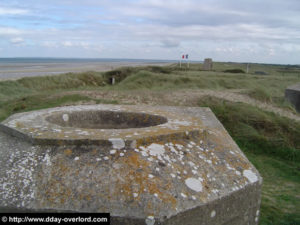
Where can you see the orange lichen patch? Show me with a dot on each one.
(85, 196)
(68, 152)
(136, 172)
(58, 194)
(239, 163)
(178, 167)
(55, 191)
(161, 136)
(214, 160)
(169, 199)
(135, 161)
(19, 125)
(30, 129)
(94, 152)
(150, 207)
(157, 187)
(178, 141)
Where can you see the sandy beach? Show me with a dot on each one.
(12, 71)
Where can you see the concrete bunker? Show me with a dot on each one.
(169, 165)
(292, 94)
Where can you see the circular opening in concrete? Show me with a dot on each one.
(105, 119)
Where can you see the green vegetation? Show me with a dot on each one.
(119, 74)
(261, 94)
(271, 142)
(36, 85)
(256, 131)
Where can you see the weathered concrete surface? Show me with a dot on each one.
(185, 169)
(292, 94)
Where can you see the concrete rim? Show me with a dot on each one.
(36, 128)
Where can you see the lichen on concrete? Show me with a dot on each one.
(182, 166)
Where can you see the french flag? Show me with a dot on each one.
(185, 56)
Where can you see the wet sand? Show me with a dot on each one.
(12, 71)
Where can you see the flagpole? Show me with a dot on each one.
(187, 60)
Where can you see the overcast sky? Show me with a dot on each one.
(266, 31)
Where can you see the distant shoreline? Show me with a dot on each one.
(15, 68)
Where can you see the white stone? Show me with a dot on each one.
(65, 117)
(47, 160)
(150, 220)
(257, 213)
(194, 184)
(213, 214)
(117, 143)
(250, 175)
(156, 149)
(113, 151)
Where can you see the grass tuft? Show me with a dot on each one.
(260, 94)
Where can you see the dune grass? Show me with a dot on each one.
(32, 93)
(269, 89)
(32, 85)
(258, 131)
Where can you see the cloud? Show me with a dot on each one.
(9, 31)
(80, 44)
(67, 44)
(168, 43)
(12, 11)
(49, 44)
(241, 30)
(17, 40)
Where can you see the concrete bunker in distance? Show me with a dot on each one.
(292, 94)
(144, 165)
